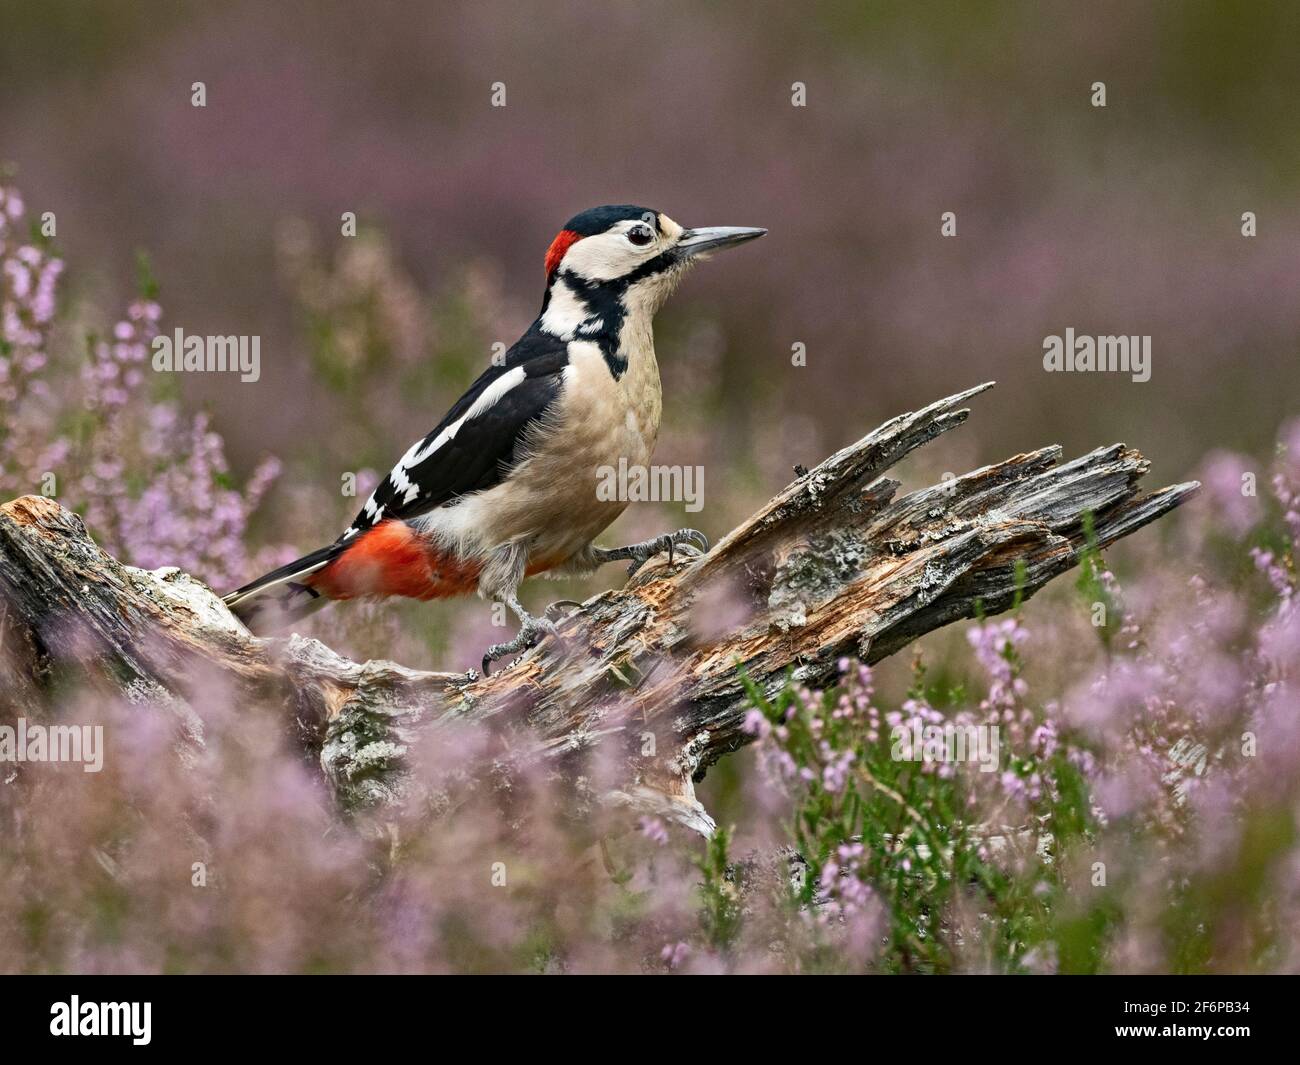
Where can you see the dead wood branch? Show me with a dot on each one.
(836, 564)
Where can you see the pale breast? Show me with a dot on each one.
(552, 501)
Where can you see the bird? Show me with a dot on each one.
(504, 486)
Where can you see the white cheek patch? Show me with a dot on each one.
(607, 256)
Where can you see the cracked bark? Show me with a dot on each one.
(836, 564)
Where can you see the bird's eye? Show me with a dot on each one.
(640, 235)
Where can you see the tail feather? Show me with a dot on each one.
(281, 597)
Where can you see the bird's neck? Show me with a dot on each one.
(615, 318)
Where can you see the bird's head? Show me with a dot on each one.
(624, 260)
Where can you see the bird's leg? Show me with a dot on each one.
(647, 549)
(531, 632)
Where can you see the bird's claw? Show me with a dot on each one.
(530, 634)
(692, 538)
(552, 612)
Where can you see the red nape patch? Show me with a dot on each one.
(392, 559)
(562, 243)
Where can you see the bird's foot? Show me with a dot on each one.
(531, 633)
(641, 553)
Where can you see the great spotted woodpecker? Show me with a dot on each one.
(505, 486)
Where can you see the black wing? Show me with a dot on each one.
(484, 448)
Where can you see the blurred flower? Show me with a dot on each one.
(1224, 475)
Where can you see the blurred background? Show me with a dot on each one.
(1117, 220)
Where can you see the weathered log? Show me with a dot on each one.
(834, 565)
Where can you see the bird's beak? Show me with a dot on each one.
(695, 242)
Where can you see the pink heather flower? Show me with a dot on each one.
(756, 724)
(27, 290)
(1012, 785)
(674, 955)
(180, 513)
(1266, 562)
(653, 829)
(1222, 474)
(835, 774)
(1279, 639)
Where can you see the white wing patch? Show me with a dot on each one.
(420, 450)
